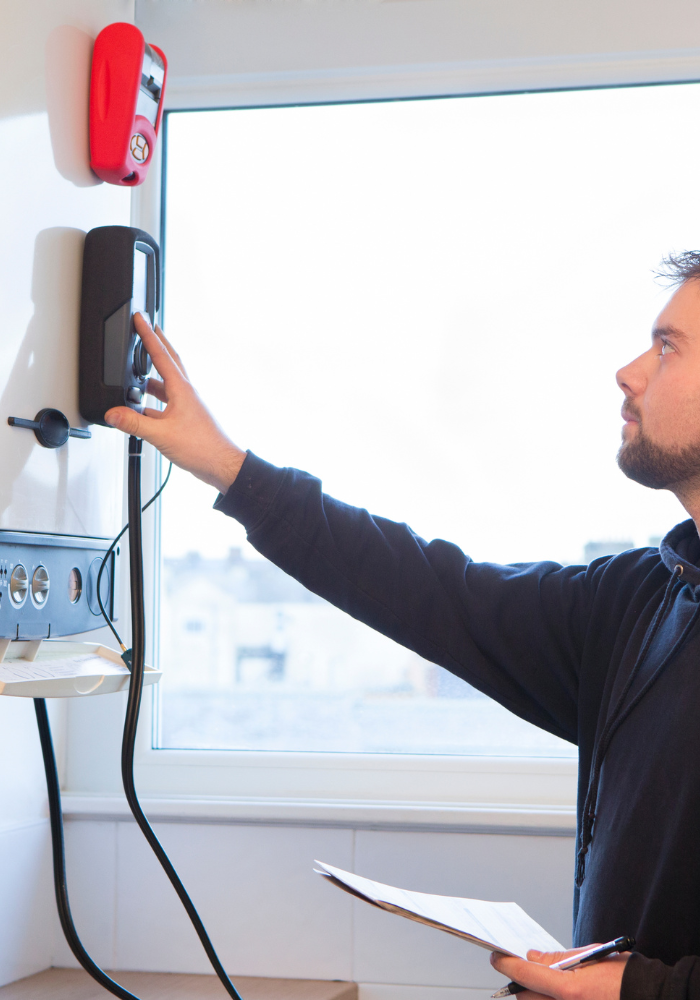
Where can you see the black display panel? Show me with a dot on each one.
(121, 276)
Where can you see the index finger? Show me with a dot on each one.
(172, 352)
(165, 365)
(550, 957)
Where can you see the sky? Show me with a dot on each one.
(424, 303)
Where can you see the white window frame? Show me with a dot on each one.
(517, 795)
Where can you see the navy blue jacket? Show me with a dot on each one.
(606, 656)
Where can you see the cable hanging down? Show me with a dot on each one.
(136, 663)
(138, 643)
(59, 859)
(109, 552)
(56, 815)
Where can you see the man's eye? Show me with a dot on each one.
(667, 348)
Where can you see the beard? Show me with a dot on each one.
(659, 468)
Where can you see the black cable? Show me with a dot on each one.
(55, 813)
(128, 747)
(59, 858)
(110, 550)
(138, 644)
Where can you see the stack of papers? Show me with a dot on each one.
(503, 927)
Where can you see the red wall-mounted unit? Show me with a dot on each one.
(127, 86)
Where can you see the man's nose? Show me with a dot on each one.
(632, 377)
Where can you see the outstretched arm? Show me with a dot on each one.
(185, 431)
(515, 632)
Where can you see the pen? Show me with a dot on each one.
(582, 958)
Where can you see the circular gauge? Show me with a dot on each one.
(75, 585)
(91, 587)
(139, 147)
(19, 585)
(40, 586)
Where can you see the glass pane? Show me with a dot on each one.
(424, 303)
(255, 661)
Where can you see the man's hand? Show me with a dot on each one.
(597, 981)
(185, 431)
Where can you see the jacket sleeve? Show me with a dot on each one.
(649, 979)
(515, 632)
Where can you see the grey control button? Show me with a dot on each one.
(134, 395)
(142, 360)
(40, 586)
(19, 585)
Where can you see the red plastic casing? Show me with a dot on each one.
(115, 80)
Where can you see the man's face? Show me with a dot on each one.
(661, 436)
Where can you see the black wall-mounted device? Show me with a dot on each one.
(121, 276)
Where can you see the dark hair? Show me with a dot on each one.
(678, 268)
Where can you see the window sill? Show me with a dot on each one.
(546, 820)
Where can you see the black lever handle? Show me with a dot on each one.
(51, 427)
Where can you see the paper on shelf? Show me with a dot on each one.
(69, 666)
(63, 669)
(504, 927)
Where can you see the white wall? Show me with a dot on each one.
(49, 199)
(269, 915)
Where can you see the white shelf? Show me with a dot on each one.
(54, 668)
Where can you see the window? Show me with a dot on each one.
(423, 302)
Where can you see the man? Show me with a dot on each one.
(606, 656)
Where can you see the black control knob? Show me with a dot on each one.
(51, 427)
(142, 360)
